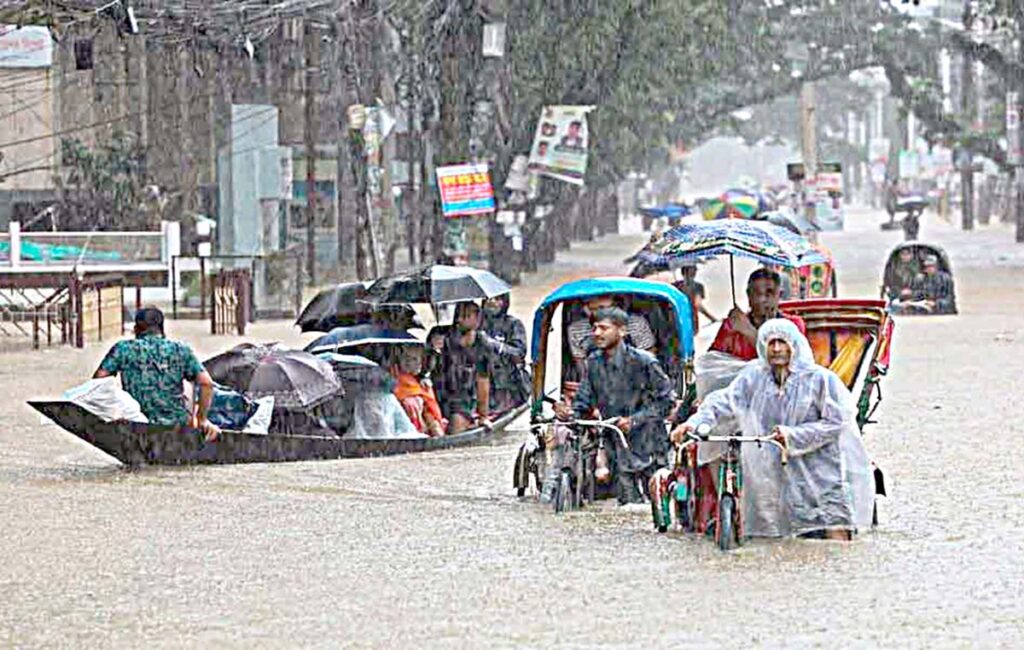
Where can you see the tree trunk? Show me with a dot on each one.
(967, 109)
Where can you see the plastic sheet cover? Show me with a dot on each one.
(379, 415)
(828, 483)
(106, 399)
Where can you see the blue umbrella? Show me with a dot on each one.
(670, 211)
(346, 361)
(352, 338)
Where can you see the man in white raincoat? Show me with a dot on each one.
(827, 488)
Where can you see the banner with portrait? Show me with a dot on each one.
(561, 142)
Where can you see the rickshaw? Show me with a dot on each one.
(667, 310)
(814, 280)
(900, 271)
(850, 337)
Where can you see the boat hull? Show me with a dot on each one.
(136, 444)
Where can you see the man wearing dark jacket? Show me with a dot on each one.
(506, 337)
(627, 384)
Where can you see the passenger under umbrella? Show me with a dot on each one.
(415, 393)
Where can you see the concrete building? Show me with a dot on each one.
(27, 121)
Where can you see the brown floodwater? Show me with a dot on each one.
(435, 550)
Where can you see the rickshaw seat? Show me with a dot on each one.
(850, 359)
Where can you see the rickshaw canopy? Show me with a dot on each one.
(921, 250)
(593, 287)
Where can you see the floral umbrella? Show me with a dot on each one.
(764, 242)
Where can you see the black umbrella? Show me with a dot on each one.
(346, 305)
(437, 284)
(294, 378)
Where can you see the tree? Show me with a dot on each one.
(106, 187)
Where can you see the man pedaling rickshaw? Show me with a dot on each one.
(627, 384)
(733, 347)
(827, 489)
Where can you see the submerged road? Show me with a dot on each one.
(434, 550)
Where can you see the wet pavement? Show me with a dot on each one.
(434, 550)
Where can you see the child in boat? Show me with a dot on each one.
(416, 395)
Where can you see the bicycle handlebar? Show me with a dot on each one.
(759, 440)
(608, 424)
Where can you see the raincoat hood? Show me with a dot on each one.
(802, 359)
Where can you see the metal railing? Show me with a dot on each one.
(19, 248)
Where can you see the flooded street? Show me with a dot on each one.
(434, 550)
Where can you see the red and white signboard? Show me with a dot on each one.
(25, 47)
(465, 189)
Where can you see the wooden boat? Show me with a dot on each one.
(136, 444)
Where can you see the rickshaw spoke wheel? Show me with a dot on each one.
(564, 495)
(727, 522)
(521, 474)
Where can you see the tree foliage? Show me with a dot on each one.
(105, 187)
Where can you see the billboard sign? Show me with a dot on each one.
(465, 189)
(25, 47)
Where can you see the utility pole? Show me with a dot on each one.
(1015, 137)
(967, 109)
(341, 97)
(809, 142)
(310, 44)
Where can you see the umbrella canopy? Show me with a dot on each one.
(732, 205)
(911, 202)
(357, 373)
(670, 211)
(234, 368)
(790, 220)
(346, 305)
(757, 240)
(295, 379)
(437, 284)
(347, 361)
(763, 203)
(353, 339)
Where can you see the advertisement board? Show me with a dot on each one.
(465, 189)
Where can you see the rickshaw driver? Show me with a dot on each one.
(827, 488)
(629, 384)
(738, 334)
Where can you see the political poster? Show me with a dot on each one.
(465, 189)
(560, 144)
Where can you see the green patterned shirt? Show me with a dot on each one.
(152, 371)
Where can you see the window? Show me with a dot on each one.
(83, 54)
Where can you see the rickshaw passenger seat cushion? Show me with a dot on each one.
(849, 358)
